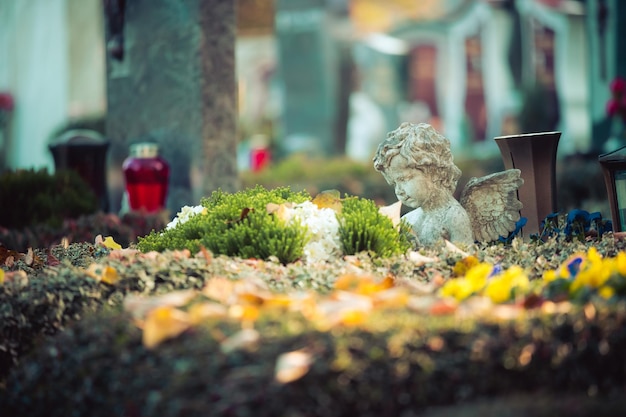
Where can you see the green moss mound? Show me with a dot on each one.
(237, 225)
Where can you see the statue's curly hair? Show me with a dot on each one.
(424, 148)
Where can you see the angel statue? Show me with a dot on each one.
(416, 160)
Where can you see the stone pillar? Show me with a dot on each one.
(175, 85)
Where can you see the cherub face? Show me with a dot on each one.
(412, 185)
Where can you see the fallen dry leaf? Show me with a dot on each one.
(163, 323)
(392, 211)
(29, 258)
(292, 366)
(279, 210)
(103, 273)
(220, 289)
(243, 339)
(418, 259)
(454, 249)
(329, 199)
(202, 311)
(139, 306)
(5, 254)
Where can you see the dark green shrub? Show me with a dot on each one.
(364, 228)
(237, 225)
(32, 197)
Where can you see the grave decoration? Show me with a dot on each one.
(416, 160)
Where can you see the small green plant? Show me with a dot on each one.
(240, 225)
(31, 197)
(237, 225)
(364, 228)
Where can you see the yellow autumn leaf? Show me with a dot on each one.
(109, 275)
(280, 301)
(292, 366)
(250, 298)
(140, 305)
(163, 323)
(392, 298)
(370, 287)
(341, 308)
(110, 243)
(329, 199)
(106, 274)
(353, 317)
(244, 312)
(201, 311)
(347, 282)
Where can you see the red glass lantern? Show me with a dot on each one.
(147, 177)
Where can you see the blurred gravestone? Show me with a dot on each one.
(174, 85)
(308, 71)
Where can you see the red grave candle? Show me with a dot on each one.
(146, 175)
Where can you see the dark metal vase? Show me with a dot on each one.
(534, 154)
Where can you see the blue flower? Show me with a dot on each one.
(518, 228)
(601, 226)
(497, 269)
(577, 223)
(550, 225)
(573, 266)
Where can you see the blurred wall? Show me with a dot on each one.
(51, 61)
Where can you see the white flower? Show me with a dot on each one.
(185, 213)
(324, 243)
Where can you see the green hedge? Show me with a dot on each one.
(32, 197)
(397, 364)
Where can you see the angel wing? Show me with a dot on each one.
(492, 205)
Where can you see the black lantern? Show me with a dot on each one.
(614, 169)
(85, 152)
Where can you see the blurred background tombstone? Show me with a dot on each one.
(171, 80)
(308, 67)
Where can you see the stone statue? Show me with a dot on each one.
(416, 160)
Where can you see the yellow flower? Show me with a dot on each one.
(606, 292)
(593, 255)
(594, 272)
(473, 282)
(550, 275)
(462, 266)
(477, 276)
(500, 288)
